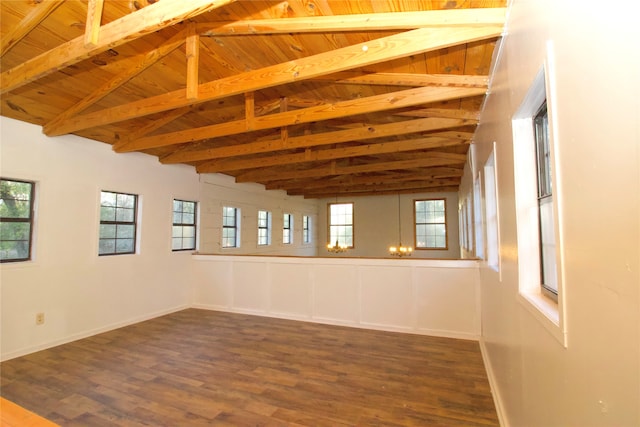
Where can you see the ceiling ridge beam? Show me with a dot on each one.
(123, 30)
(377, 192)
(362, 54)
(371, 104)
(143, 62)
(315, 140)
(358, 22)
(227, 164)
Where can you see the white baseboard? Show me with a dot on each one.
(89, 333)
(495, 391)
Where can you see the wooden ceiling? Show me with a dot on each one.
(319, 98)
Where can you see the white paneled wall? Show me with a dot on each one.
(430, 297)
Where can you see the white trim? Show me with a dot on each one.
(493, 385)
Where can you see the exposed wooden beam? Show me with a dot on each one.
(193, 62)
(380, 50)
(37, 14)
(158, 122)
(416, 186)
(313, 183)
(139, 64)
(92, 26)
(441, 112)
(307, 141)
(377, 191)
(231, 164)
(405, 98)
(269, 174)
(406, 79)
(130, 27)
(359, 22)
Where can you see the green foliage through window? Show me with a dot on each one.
(16, 219)
(118, 212)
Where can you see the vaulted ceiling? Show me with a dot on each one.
(319, 98)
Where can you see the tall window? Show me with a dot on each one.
(264, 228)
(184, 225)
(545, 203)
(287, 229)
(230, 227)
(491, 212)
(341, 224)
(306, 229)
(478, 219)
(118, 212)
(431, 224)
(16, 219)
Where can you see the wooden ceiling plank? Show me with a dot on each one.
(268, 174)
(375, 51)
(224, 165)
(406, 79)
(315, 140)
(140, 63)
(405, 98)
(358, 22)
(130, 27)
(38, 14)
(92, 26)
(155, 124)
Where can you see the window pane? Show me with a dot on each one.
(430, 226)
(124, 245)
(177, 217)
(107, 213)
(124, 215)
(107, 231)
(107, 199)
(126, 201)
(125, 231)
(107, 246)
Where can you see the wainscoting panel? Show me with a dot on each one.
(428, 297)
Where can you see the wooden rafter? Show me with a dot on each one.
(139, 64)
(130, 27)
(406, 79)
(359, 22)
(266, 174)
(370, 104)
(380, 50)
(39, 12)
(427, 143)
(307, 141)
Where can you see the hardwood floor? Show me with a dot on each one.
(199, 367)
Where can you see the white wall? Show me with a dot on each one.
(376, 225)
(430, 297)
(219, 190)
(79, 292)
(595, 380)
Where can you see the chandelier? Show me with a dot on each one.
(399, 250)
(336, 248)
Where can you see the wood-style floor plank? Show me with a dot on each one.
(200, 367)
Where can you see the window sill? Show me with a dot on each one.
(546, 311)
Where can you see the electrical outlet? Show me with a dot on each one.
(39, 318)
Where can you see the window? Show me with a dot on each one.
(16, 219)
(306, 229)
(491, 212)
(118, 213)
(341, 224)
(264, 228)
(477, 217)
(431, 224)
(230, 227)
(537, 190)
(545, 204)
(184, 225)
(287, 229)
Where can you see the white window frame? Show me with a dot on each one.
(183, 226)
(550, 313)
(135, 223)
(478, 217)
(306, 229)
